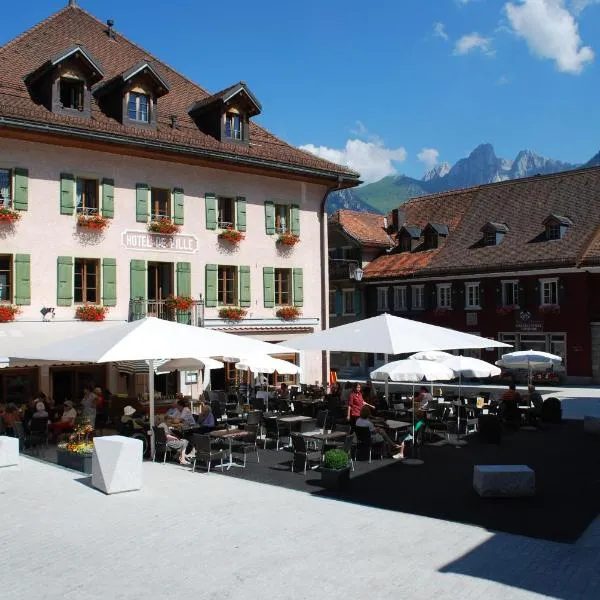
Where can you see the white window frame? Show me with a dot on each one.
(444, 295)
(8, 202)
(507, 282)
(418, 292)
(351, 292)
(400, 297)
(548, 282)
(332, 312)
(469, 286)
(138, 110)
(554, 231)
(382, 299)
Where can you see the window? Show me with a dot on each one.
(160, 204)
(549, 291)
(405, 243)
(400, 298)
(233, 126)
(86, 280)
(138, 107)
(226, 212)
(472, 295)
(332, 307)
(553, 231)
(510, 293)
(444, 295)
(349, 304)
(489, 238)
(382, 299)
(6, 283)
(5, 188)
(71, 93)
(282, 218)
(418, 297)
(87, 196)
(283, 287)
(431, 240)
(227, 290)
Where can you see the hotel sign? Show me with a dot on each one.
(143, 240)
(524, 322)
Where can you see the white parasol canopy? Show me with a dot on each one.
(267, 364)
(529, 359)
(413, 371)
(189, 364)
(390, 335)
(463, 366)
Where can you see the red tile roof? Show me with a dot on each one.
(366, 228)
(73, 26)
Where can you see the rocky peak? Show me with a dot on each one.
(440, 170)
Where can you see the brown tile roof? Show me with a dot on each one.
(523, 205)
(366, 228)
(73, 26)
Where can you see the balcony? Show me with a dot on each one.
(140, 308)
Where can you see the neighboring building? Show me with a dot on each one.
(95, 131)
(355, 239)
(517, 261)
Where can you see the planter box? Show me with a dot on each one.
(9, 451)
(504, 481)
(72, 460)
(117, 464)
(335, 479)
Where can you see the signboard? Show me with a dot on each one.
(143, 240)
(524, 322)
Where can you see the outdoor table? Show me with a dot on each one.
(229, 435)
(326, 436)
(294, 419)
(395, 426)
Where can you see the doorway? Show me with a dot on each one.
(160, 281)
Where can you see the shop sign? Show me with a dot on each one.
(524, 322)
(143, 240)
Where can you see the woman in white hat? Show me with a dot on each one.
(67, 420)
(130, 416)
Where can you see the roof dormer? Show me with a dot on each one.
(63, 83)
(132, 96)
(435, 234)
(493, 233)
(408, 238)
(556, 226)
(226, 115)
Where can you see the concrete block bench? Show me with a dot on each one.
(9, 451)
(591, 425)
(504, 481)
(117, 464)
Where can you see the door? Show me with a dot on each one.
(62, 386)
(160, 281)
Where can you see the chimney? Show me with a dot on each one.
(72, 3)
(110, 31)
(398, 219)
(173, 121)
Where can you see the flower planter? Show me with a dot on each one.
(163, 226)
(232, 314)
(288, 239)
(91, 313)
(179, 303)
(9, 216)
(93, 222)
(8, 313)
(231, 236)
(335, 479)
(287, 313)
(74, 460)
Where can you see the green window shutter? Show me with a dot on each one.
(269, 217)
(22, 279)
(109, 282)
(298, 287)
(137, 279)
(240, 217)
(269, 287)
(178, 206)
(184, 279)
(211, 285)
(357, 302)
(67, 194)
(108, 198)
(295, 219)
(21, 193)
(210, 201)
(64, 283)
(339, 298)
(142, 193)
(245, 295)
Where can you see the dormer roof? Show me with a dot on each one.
(411, 230)
(491, 226)
(560, 219)
(77, 51)
(439, 228)
(239, 90)
(143, 68)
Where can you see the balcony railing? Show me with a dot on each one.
(140, 308)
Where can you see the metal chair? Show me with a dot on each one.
(275, 431)
(247, 444)
(364, 440)
(301, 449)
(204, 451)
(38, 433)
(161, 443)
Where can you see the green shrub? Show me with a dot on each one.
(335, 459)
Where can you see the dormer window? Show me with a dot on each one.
(557, 226)
(138, 107)
(233, 125)
(434, 234)
(71, 93)
(408, 238)
(405, 244)
(493, 233)
(553, 231)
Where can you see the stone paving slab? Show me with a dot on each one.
(213, 536)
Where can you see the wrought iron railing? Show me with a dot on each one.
(162, 309)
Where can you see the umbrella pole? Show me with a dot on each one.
(387, 382)
(151, 407)
(413, 462)
(458, 442)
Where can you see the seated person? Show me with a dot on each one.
(535, 403)
(40, 411)
(67, 419)
(174, 412)
(174, 442)
(185, 413)
(509, 404)
(511, 395)
(426, 399)
(378, 435)
(206, 419)
(10, 417)
(130, 415)
(283, 397)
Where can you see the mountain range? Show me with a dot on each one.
(480, 167)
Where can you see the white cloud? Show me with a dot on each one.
(439, 30)
(473, 41)
(429, 157)
(371, 159)
(579, 6)
(550, 31)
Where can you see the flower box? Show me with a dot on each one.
(231, 236)
(287, 313)
(78, 461)
(8, 312)
(8, 215)
(288, 239)
(232, 313)
(442, 312)
(550, 309)
(179, 302)
(94, 222)
(164, 226)
(505, 310)
(91, 312)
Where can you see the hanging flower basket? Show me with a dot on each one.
(505, 310)
(287, 313)
(231, 236)
(179, 302)
(8, 313)
(91, 312)
(550, 309)
(8, 215)
(95, 222)
(288, 239)
(164, 226)
(232, 313)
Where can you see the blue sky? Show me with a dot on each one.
(387, 86)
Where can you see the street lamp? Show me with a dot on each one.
(354, 269)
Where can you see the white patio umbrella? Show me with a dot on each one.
(532, 360)
(189, 364)
(267, 364)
